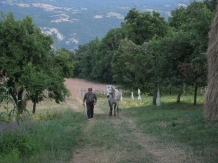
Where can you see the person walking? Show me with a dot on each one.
(91, 99)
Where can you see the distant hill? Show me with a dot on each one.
(73, 22)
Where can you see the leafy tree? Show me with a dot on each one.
(170, 51)
(141, 27)
(35, 81)
(151, 49)
(178, 18)
(108, 46)
(211, 4)
(196, 71)
(94, 58)
(131, 65)
(87, 59)
(80, 51)
(28, 61)
(65, 60)
(194, 20)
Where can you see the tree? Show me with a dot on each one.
(178, 18)
(131, 65)
(87, 60)
(105, 56)
(35, 81)
(28, 61)
(141, 27)
(93, 60)
(169, 51)
(211, 4)
(80, 51)
(195, 21)
(196, 71)
(65, 59)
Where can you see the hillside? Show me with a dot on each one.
(72, 22)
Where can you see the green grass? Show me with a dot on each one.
(179, 123)
(56, 132)
(53, 139)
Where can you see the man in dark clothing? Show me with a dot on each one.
(90, 99)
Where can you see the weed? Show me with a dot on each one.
(10, 106)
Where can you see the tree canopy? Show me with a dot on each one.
(29, 63)
(147, 51)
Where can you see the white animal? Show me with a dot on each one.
(114, 96)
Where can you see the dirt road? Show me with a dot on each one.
(139, 147)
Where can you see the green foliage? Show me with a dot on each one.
(170, 51)
(34, 79)
(12, 157)
(87, 60)
(103, 59)
(130, 65)
(194, 21)
(65, 60)
(80, 52)
(10, 110)
(147, 51)
(11, 142)
(46, 137)
(211, 4)
(141, 27)
(30, 64)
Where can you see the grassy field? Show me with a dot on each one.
(143, 133)
(182, 124)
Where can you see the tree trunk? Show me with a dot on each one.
(155, 94)
(34, 107)
(195, 95)
(179, 95)
(35, 100)
(21, 103)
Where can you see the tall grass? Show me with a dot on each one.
(50, 137)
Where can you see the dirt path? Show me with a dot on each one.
(75, 86)
(149, 148)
